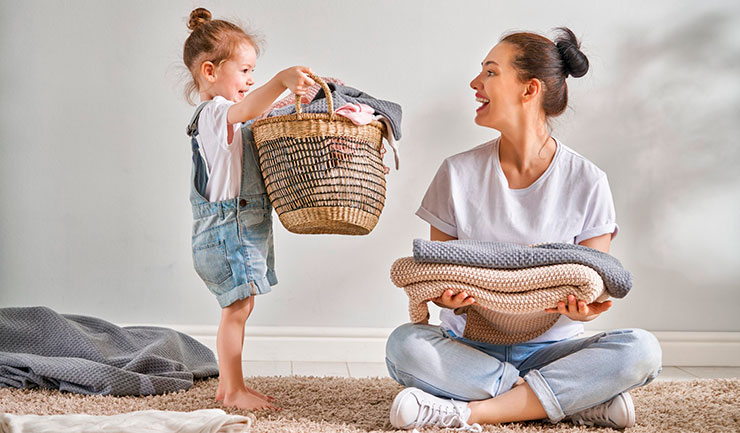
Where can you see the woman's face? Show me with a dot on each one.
(498, 88)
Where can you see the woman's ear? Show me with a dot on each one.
(208, 71)
(531, 89)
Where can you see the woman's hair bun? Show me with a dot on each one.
(575, 63)
(198, 17)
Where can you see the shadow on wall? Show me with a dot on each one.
(670, 134)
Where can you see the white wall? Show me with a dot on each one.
(94, 162)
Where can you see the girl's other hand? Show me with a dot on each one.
(579, 311)
(296, 80)
(447, 300)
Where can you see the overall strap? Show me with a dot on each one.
(252, 182)
(193, 125)
(200, 168)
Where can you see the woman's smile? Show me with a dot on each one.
(482, 100)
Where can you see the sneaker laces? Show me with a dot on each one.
(443, 416)
(596, 413)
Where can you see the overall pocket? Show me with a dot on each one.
(211, 263)
(251, 217)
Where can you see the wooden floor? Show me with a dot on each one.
(378, 369)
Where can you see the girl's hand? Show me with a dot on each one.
(296, 80)
(580, 311)
(447, 300)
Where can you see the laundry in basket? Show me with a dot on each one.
(323, 173)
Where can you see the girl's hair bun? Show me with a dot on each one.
(575, 63)
(198, 17)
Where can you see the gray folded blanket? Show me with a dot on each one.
(501, 255)
(86, 355)
(342, 95)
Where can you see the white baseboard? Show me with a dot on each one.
(283, 343)
(712, 349)
(286, 343)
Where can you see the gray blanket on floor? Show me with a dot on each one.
(501, 255)
(86, 355)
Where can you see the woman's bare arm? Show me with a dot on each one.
(439, 235)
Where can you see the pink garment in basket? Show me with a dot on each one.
(359, 114)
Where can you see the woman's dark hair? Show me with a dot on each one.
(550, 62)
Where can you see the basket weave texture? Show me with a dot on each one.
(323, 173)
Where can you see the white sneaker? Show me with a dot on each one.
(618, 412)
(414, 408)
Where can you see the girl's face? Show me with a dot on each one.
(498, 88)
(233, 78)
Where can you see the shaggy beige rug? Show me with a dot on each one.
(314, 404)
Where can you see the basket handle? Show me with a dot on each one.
(327, 92)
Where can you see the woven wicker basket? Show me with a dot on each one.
(323, 173)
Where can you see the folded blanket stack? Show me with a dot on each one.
(512, 284)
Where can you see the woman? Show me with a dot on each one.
(524, 187)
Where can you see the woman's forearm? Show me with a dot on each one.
(439, 235)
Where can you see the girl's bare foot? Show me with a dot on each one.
(221, 393)
(246, 400)
(269, 398)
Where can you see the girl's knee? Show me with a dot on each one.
(239, 310)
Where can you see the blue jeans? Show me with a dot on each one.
(567, 376)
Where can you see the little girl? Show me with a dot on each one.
(232, 222)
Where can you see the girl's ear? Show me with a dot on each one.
(208, 71)
(531, 90)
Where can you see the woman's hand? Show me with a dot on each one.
(447, 300)
(579, 311)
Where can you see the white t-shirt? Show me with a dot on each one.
(224, 159)
(470, 198)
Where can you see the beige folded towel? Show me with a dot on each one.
(510, 304)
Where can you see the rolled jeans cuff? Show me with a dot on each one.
(542, 390)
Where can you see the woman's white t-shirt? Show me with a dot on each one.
(470, 198)
(224, 159)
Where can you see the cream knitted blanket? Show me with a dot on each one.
(510, 304)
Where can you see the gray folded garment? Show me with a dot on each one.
(502, 255)
(86, 355)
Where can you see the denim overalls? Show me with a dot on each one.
(232, 239)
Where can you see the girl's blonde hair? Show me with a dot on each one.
(210, 40)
